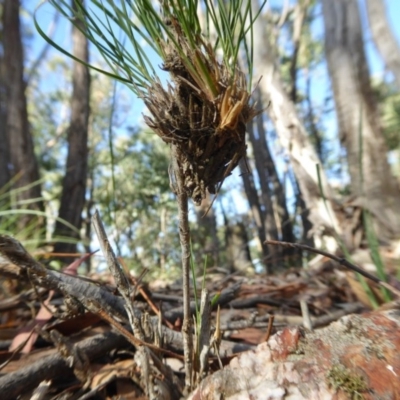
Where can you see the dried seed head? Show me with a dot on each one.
(203, 115)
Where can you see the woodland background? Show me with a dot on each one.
(323, 159)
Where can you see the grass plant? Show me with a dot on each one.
(202, 111)
(33, 234)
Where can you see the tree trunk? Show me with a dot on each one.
(74, 182)
(302, 210)
(284, 223)
(265, 196)
(294, 138)
(237, 248)
(299, 15)
(4, 147)
(207, 230)
(256, 210)
(22, 159)
(161, 245)
(371, 180)
(383, 36)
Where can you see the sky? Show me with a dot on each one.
(320, 82)
(45, 17)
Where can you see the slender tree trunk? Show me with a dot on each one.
(301, 208)
(294, 138)
(371, 180)
(256, 210)
(87, 226)
(284, 223)
(383, 36)
(207, 229)
(161, 245)
(270, 225)
(4, 147)
(237, 247)
(75, 178)
(310, 118)
(21, 153)
(300, 13)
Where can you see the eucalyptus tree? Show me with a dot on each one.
(293, 136)
(274, 213)
(74, 181)
(389, 106)
(207, 235)
(23, 165)
(201, 113)
(372, 183)
(384, 37)
(4, 150)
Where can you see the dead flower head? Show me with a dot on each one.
(202, 114)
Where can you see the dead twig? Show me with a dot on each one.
(124, 288)
(269, 328)
(95, 297)
(48, 368)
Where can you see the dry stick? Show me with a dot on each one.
(149, 301)
(203, 336)
(216, 340)
(341, 261)
(124, 288)
(155, 309)
(137, 343)
(54, 366)
(94, 297)
(269, 328)
(306, 315)
(115, 268)
(184, 236)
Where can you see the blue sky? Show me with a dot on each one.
(62, 37)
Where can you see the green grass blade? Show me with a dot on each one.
(375, 254)
(70, 55)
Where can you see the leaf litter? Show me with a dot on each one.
(80, 353)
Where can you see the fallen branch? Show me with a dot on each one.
(340, 260)
(15, 383)
(95, 298)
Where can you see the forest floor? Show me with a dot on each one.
(301, 334)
